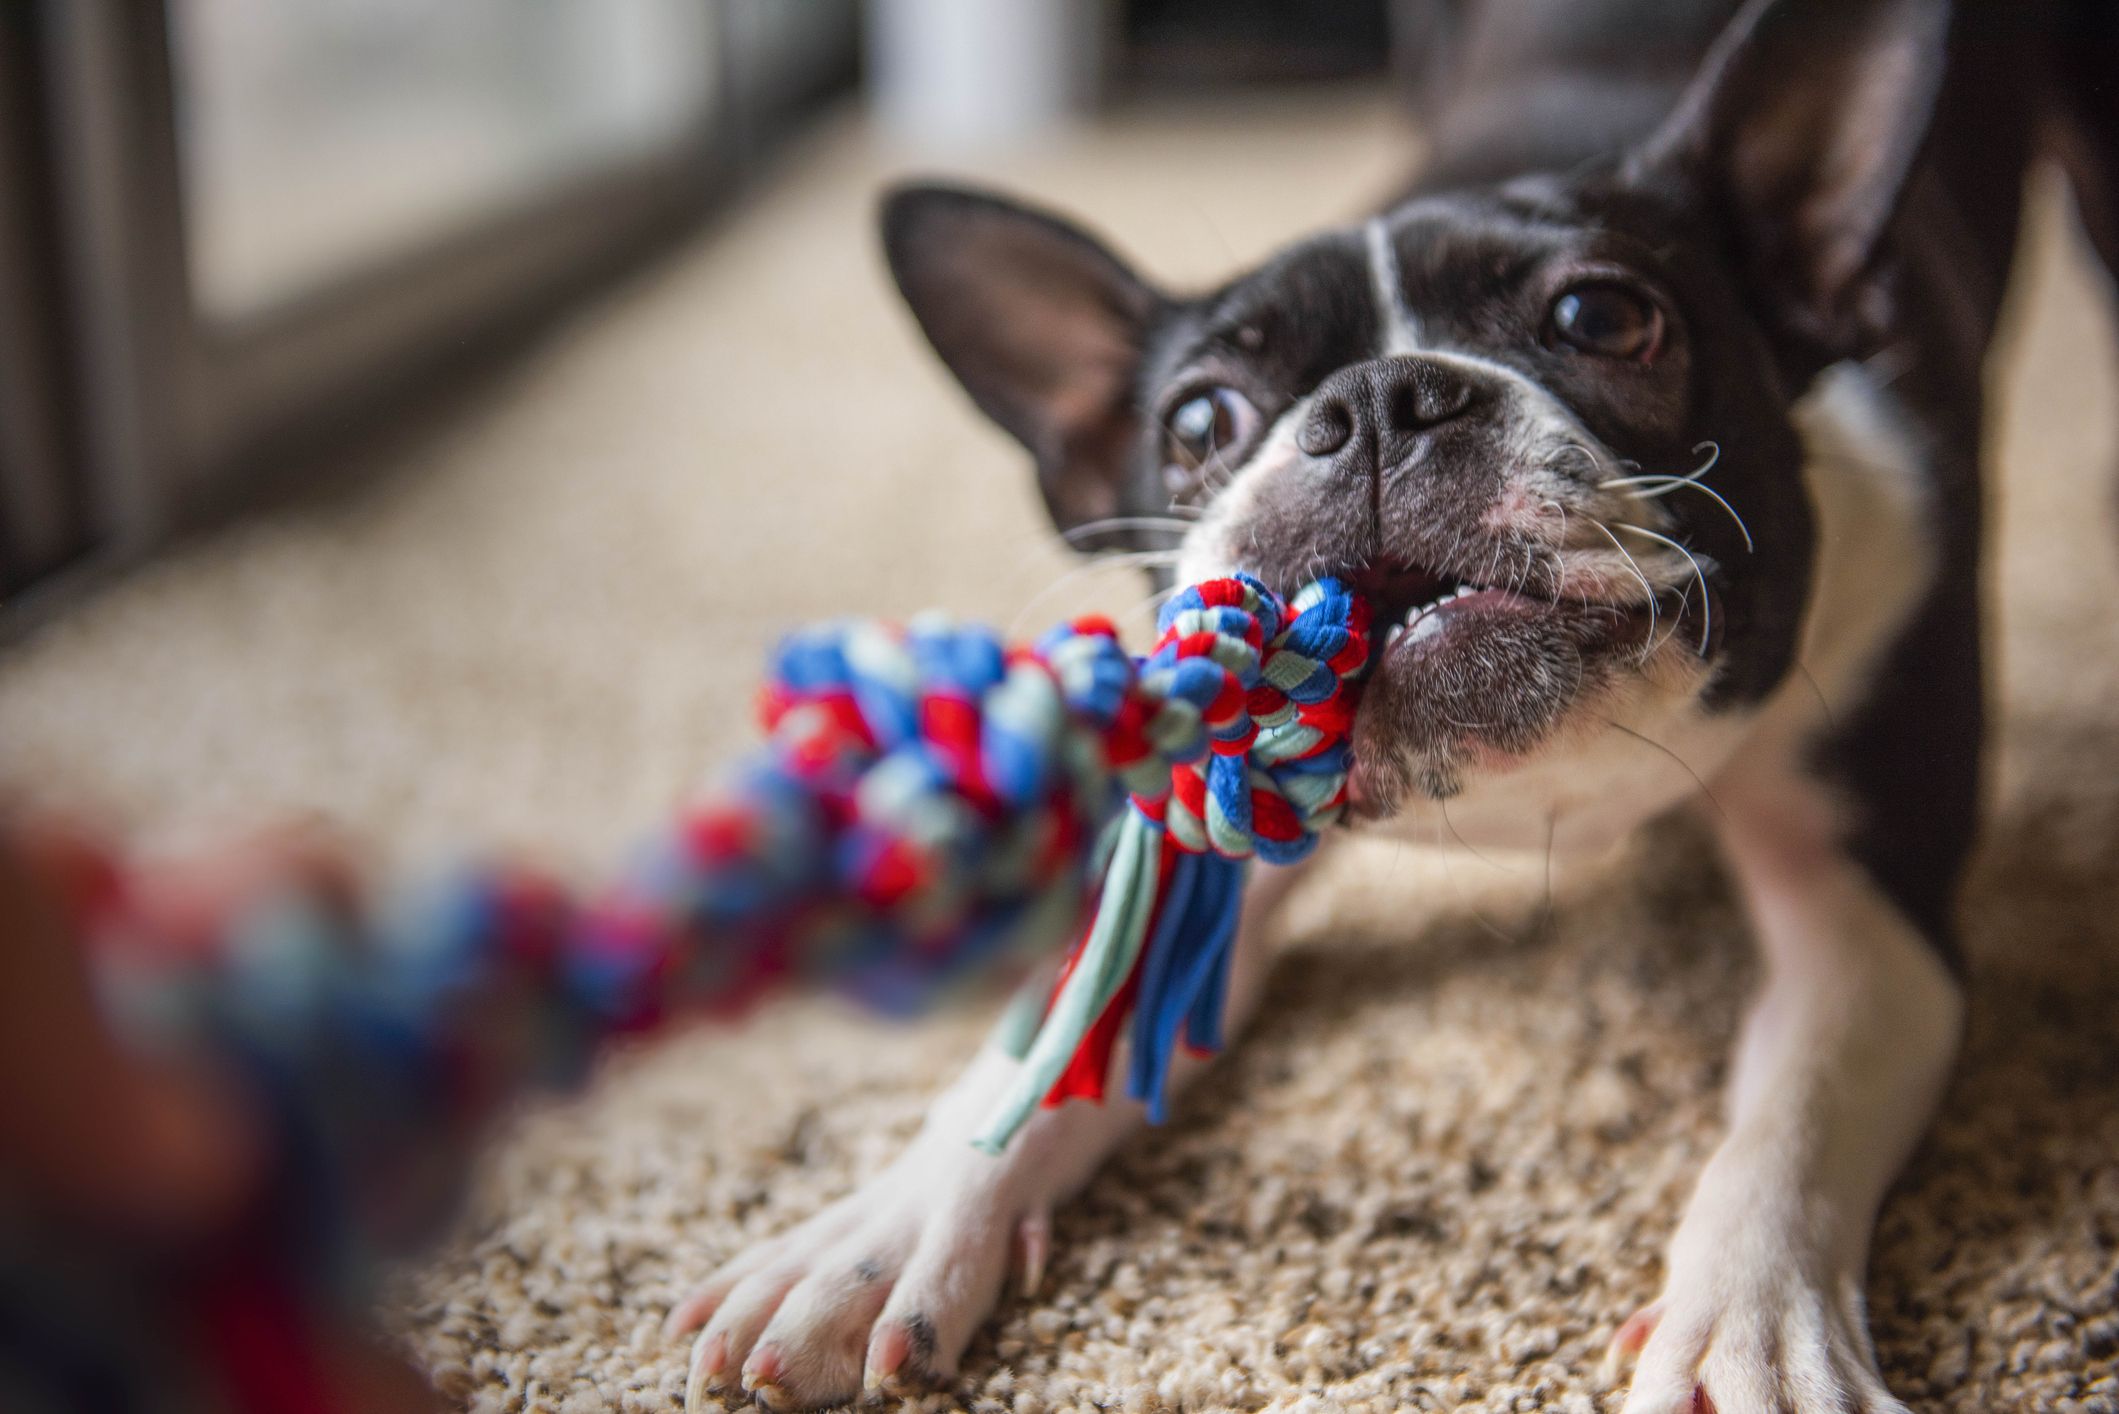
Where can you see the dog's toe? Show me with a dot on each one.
(1627, 1340)
(1765, 1347)
(724, 1347)
(882, 1290)
(812, 1350)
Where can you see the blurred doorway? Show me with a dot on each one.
(321, 138)
(228, 227)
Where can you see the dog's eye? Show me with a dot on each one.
(1610, 321)
(1202, 429)
(1209, 422)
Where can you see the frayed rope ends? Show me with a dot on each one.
(1255, 701)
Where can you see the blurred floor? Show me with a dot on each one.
(1445, 1169)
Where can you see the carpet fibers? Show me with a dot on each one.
(1442, 1168)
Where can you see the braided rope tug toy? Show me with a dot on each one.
(930, 805)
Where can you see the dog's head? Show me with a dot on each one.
(1545, 422)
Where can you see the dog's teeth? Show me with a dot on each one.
(1420, 617)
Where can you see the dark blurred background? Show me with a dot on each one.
(230, 229)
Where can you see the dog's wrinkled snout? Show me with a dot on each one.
(1370, 412)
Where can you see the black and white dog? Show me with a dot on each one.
(1651, 418)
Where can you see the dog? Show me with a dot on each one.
(1649, 419)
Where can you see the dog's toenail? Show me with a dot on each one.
(886, 1356)
(1628, 1340)
(1033, 1242)
(709, 1354)
(763, 1368)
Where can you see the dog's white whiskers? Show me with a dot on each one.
(1684, 603)
(1669, 484)
(1714, 457)
(1660, 484)
(1442, 807)
(1446, 856)
(1817, 690)
(1646, 587)
(1575, 449)
(1493, 566)
(1646, 740)
(1131, 559)
(1706, 599)
(1166, 525)
(1558, 550)
(1217, 474)
(1152, 604)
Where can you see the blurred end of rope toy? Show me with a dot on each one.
(931, 807)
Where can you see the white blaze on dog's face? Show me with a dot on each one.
(1545, 423)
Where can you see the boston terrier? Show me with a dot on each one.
(1650, 419)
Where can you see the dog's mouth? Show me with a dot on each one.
(1464, 671)
(1415, 606)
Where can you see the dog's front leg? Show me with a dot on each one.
(892, 1281)
(1837, 1069)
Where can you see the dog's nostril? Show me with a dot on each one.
(1328, 428)
(1426, 398)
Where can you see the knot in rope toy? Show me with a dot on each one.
(1237, 748)
(929, 803)
(1273, 710)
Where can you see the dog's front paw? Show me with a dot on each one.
(1735, 1342)
(886, 1285)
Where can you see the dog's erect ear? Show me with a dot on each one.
(1801, 130)
(1042, 325)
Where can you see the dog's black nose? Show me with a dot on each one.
(1370, 406)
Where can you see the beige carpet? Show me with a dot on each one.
(1445, 1165)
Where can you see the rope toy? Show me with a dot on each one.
(930, 805)
(1242, 753)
